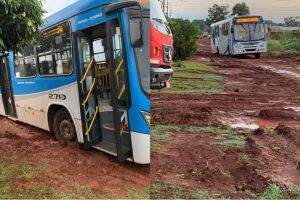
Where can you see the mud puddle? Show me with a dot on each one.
(253, 123)
(280, 71)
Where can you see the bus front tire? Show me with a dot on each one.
(64, 128)
(257, 55)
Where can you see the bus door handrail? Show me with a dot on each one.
(93, 120)
(90, 92)
(87, 70)
(117, 71)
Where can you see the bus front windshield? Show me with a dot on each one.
(158, 18)
(249, 31)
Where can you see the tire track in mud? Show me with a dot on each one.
(97, 170)
(195, 161)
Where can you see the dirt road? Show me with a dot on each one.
(206, 141)
(35, 165)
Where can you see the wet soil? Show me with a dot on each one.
(259, 94)
(91, 168)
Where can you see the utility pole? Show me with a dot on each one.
(167, 8)
(170, 10)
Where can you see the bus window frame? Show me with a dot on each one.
(129, 17)
(28, 77)
(71, 48)
(125, 53)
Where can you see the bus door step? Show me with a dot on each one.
(110, 128)
(111, 148)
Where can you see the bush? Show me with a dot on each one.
(282, 42)
(186, 34)
(292, 44)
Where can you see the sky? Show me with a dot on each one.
(52, 6)
(275, 10)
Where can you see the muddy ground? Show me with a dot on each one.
(211, 148)
(34, 165)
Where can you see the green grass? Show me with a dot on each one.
(192, 77)
(284, 42)
(161, 190)
(135, 194)
(273, 192)
(34, 181)
(160, 133)
(226, 135)
(191, 66)
(274, 45)
(295, 191)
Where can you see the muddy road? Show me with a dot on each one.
(62, 171)
(225, 144)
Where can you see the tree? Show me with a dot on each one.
(201, 24)
(240, 9)
(217, 13)
(290, 21)
(186, 34)
(19, 23)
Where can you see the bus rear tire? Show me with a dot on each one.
(257, 55)
(64, 128)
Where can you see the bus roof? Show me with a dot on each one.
(74, 9)
(232, 18)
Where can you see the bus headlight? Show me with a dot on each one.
(238, 46)
(147, 117)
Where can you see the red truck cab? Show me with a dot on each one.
(161, 48)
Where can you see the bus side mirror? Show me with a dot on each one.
(232, 30)
(136, 32)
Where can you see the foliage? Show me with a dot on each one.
(284, 42)
(217, 13)
(24, 18)
(273, 192)
(291, 21)
(291, 44)
(185, 38)
(240, 9)
(201, 24)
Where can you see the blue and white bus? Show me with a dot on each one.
(239, 35)
(86, 78)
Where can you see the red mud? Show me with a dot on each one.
(192, 161)
(99, 171)
(277, 157)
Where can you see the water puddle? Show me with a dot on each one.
(254, 123)
(280, 71)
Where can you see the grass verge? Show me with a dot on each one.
(225, 135)
(194, 77)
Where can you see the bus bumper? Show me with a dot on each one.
(241, 48)
(159, 76)
(140, 147)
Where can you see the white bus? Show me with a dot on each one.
(239, 35)
(86, 78)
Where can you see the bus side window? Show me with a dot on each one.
(25, 63)
(225, 29)
(54, 53)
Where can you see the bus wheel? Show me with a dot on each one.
(257, 55)
(64, 128)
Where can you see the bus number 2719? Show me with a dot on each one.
(57, 96)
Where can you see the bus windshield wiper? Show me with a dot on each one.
(244, 28)
(159, 20)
